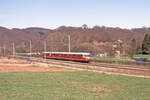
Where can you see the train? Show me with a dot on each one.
(73, 56)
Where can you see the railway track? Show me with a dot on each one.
(93, 66)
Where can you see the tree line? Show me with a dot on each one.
(144, 49)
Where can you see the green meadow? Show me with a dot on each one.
(77, 85)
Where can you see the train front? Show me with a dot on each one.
(87, 57)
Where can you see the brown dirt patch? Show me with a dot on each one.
(5, 68)
(13, 65)
(8, 61)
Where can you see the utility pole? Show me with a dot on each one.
(44, 46)
(14, 49)
(30, 48)
(4, 49)
(45, 49)
(0, 50)
(69, 43)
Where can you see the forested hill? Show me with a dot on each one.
(57, 39)
(20, 36)
(98, 33)
(16, 34)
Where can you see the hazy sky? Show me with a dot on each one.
(55, 13)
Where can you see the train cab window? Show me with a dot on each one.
(85, 55)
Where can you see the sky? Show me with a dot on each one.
(54, 13)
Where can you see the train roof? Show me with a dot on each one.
(76, 53)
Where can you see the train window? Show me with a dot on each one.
(70, 55)
(53, 54)
(66, 55)
(80, 55)
(73, 55)
(77, 55)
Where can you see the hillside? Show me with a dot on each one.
(82, 39)
(20, 37)
(94, 40)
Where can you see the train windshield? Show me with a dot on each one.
(87, 56)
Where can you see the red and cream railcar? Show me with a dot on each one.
(84, 57)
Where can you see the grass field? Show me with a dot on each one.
(123, 60)
(142, 56)
(113, 60)
(78, 85)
